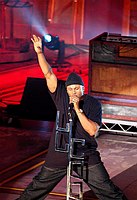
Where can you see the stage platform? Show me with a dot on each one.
(23, 152)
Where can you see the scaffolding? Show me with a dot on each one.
(119, 126)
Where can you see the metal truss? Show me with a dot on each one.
(119, 126)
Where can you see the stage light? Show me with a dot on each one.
(51, 42)
(48, 38)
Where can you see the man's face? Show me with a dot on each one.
(75, 90)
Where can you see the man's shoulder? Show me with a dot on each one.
(92, 99)
(88, 96)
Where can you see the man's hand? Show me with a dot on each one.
(37, 44)
(75, 100)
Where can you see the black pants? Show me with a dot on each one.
(98, 180)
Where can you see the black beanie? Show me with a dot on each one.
(74, 78)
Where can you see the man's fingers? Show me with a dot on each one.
(32, 40)
(39, 38)
(35, 38)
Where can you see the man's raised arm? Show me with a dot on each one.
(44, 65)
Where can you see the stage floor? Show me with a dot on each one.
(23, 152)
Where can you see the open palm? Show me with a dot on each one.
(37, 43)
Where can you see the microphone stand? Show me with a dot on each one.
(73, 160)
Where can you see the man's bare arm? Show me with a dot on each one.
(44, 65)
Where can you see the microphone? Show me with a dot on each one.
(70, 107)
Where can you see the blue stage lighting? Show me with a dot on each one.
(51, 42)
(47, 38)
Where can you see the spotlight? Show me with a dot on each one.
(53, 43)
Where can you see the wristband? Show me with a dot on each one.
(79, 111)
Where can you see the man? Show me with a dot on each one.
(86, 117)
